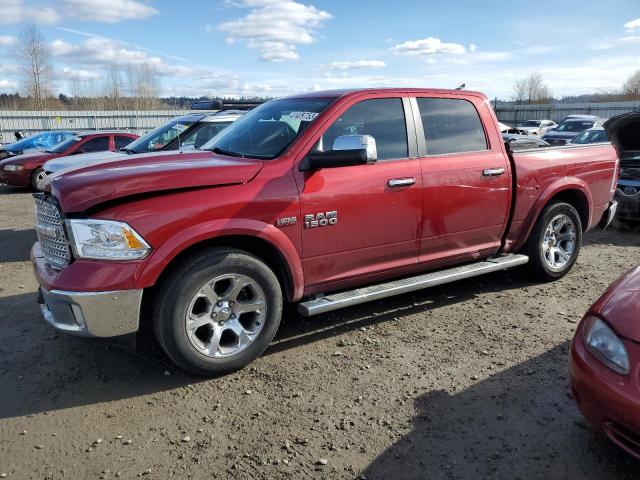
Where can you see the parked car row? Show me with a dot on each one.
(73, 150)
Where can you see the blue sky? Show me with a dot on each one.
(277, 47)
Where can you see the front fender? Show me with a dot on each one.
(561, 185)
(221, 228)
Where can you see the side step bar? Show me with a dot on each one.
(334, 301)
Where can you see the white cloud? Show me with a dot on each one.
(276, 27)
(633, 25)
(17, 11)
(6, 40)
(108, 11)
(69, 73)
(356, 64)
(42, 12)
(429, 46)
(8, 85)
(102, 52)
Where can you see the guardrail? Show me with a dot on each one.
(32, 122)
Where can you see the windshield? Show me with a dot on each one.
(157, 139)
(269, 129)
(530, 123)
(62, 146)
(574, 126)
(591, 136)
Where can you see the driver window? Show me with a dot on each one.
(382, 118)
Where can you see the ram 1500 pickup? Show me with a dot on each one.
(326, 199)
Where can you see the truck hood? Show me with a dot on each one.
(82, 188)
(82, 160)
(622, 307)
(624, 131)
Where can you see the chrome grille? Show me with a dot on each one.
(51, 233)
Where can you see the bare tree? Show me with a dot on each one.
(35, 64)
(113, 87)
(143, 84)
(631, 87)
(531, 89)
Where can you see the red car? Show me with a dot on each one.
(26, 170)
(604, 363)
(301, 198)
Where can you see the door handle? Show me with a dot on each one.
(401, 182)
(492, 172)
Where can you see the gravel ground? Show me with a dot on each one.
(467, 381)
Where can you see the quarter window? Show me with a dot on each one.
(122, 142)
(382, 118)
(451, 125)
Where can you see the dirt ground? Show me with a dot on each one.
(464, 381)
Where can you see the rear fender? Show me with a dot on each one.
(222, 228)
(566, 184)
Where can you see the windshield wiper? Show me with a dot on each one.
(221, 151)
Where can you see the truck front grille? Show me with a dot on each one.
(51, 233)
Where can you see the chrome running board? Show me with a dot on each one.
(334, 301)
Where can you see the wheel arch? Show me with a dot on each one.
(572, 191)
(262, 240)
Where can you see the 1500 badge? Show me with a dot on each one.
(321, 219)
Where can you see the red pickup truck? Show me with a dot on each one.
(327, 199)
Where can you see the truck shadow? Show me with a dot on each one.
(6, 190)
(519, 423)
(46, 370)
(620, 234)
(15, 245)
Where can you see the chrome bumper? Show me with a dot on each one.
(609, 213)
(92, 314)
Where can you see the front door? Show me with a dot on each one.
(363, 219)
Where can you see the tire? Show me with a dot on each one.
(217, 312)
(553, 254)
(36, 177)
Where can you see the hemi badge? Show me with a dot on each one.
(286, 221)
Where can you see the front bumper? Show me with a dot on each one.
(628, 196)
(92, 314)
(610, 401)
(609, 214)
(20, 178)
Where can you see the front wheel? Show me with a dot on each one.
(37, 177)
(555, 241)
(217, 312)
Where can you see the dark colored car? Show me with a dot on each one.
(40, 141)
(570, 127)
(26, 170)
(604, 363)
(626, 135)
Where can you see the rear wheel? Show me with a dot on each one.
(555, 241)
(37, 177)
(218, 312)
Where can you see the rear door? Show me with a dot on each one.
(466, 180)
(372, 212)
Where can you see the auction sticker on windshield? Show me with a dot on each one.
(303, 116)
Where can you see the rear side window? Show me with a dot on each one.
(98, 144)
(122, 142)
(451, 125)
(382, 118)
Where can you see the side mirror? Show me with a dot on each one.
(348, 150)
(77, 152)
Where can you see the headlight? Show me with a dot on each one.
(13, 168)
(605, 344)
(106, 240)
